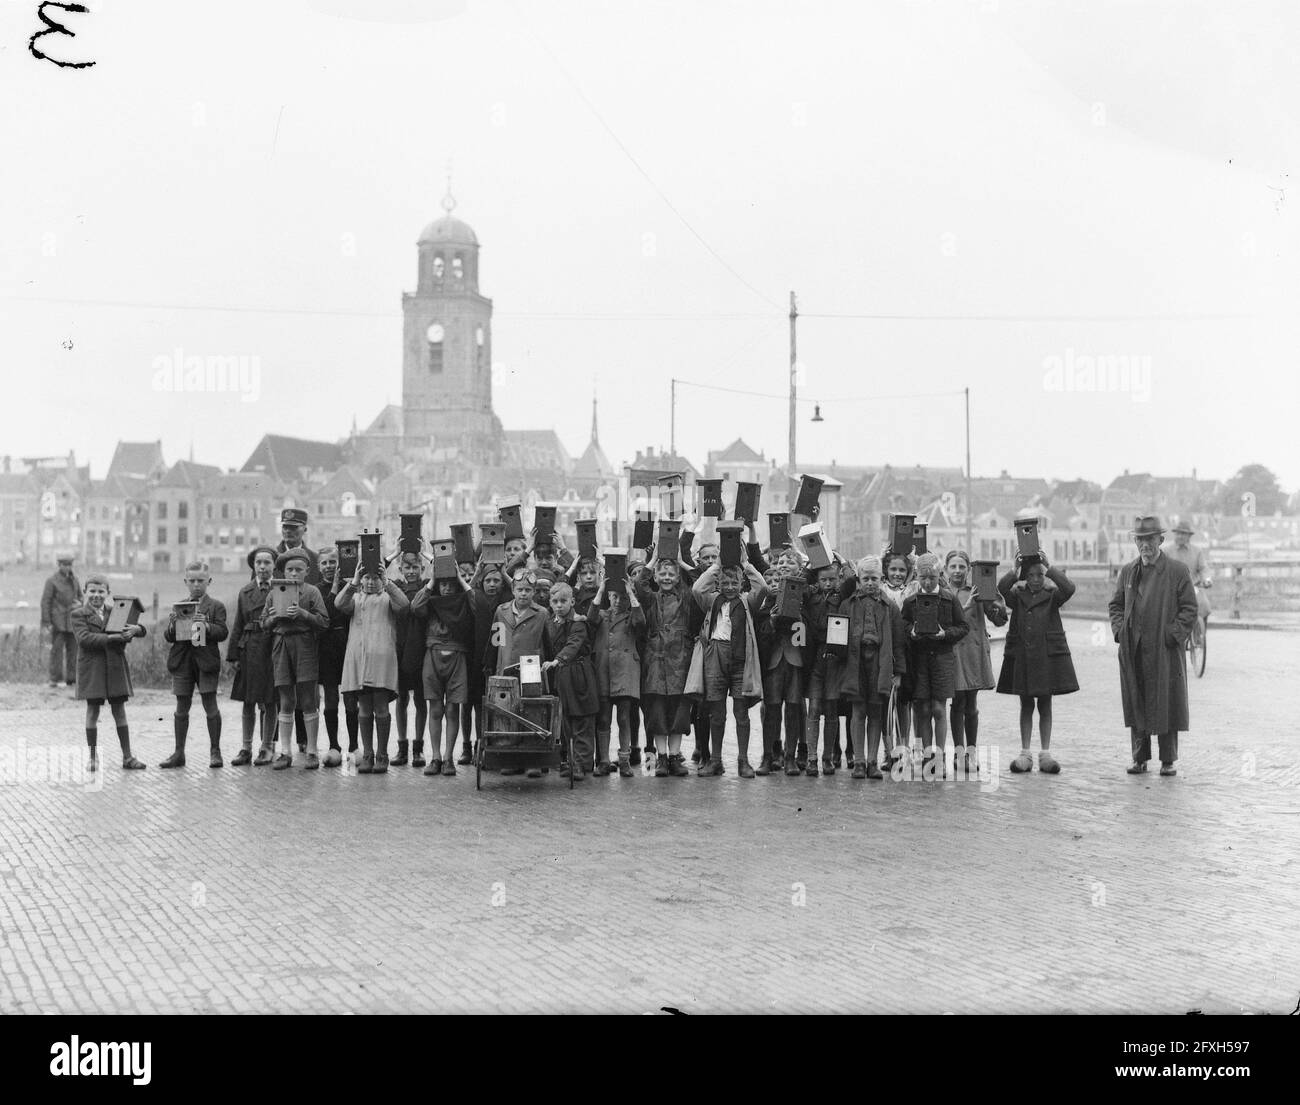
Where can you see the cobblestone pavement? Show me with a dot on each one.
(247, 890)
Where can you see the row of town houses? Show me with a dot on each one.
(148, 514)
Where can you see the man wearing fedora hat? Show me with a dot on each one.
(62, 592)
(1196, 562)
(1152, 613)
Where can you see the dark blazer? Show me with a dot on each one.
(207, 657)
(574, 680)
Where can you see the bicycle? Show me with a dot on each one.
(1196, 643)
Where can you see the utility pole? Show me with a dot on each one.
(969, 504)
(672, 421)
(794, 314)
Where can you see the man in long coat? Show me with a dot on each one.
(1152, 613)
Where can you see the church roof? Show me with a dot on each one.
(593, 461)
(285, 458)
(387, 423)
(185, 473)
(737, 453)
(137, 458)
(539, 449)
(447, 230)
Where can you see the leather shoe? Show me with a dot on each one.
(1168, 769)
(791, 767)
(1136, 769)
(764, 765)
(743, 769)
(214, 759)
(176, 759)
(242, 758)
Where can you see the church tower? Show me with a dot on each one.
(447, 349)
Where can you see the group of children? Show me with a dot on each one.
(662, 649)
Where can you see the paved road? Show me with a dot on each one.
(244, 890)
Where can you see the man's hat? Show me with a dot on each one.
(1183, 527)
(292, 515)
(289, 555)
(1148, 526)
(64, 558)
(262, 548)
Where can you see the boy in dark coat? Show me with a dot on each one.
(573, 677)
(333, 648)
(412, 627)
(666, 600)
(783, 680)
(873, 664)
(102, 673)
(488, 590)
(618, 626)
(195, 663)
(249, 651)
(932, 664)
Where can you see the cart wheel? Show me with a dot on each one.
(572, 763)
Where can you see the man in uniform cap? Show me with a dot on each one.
(1152, 612)
(62, 592)
(293, 527)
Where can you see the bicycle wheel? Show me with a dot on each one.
(1198, 647)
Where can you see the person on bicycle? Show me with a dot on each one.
(1197, 564)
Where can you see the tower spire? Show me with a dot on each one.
(593, 416)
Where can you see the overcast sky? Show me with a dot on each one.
(1041, 183)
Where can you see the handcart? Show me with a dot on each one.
(520, 730)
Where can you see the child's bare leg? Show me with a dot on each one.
(452, 716)
(1026, 721)
(1045, 721)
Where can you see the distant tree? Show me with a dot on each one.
(1260, 482)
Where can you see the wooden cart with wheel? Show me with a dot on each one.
(519, 731)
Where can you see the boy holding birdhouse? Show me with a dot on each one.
(194, 629)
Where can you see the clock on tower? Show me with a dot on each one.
(447, 348)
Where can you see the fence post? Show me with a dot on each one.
(1236, 591)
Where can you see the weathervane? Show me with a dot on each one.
(449, 201)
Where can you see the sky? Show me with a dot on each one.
(980, 194)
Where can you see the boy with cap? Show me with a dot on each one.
(196, 664)
(293, 528)
(295, 658)
(249, 651)
(62, 592)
